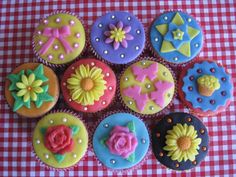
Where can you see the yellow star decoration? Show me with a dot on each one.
(178, 34)
(167, 46)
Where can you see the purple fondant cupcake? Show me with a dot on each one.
(117, 37)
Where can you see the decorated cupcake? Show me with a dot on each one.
(176, 37)
(59, 38)
(180, 141)
(147, 87)
(60, 140)
(88, 85)
(117, 37)
(118, 142)
(32, 89)
(205, 87)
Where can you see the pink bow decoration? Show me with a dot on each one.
(56, 33)
(135, 93)
(158, 95)
(149, 72)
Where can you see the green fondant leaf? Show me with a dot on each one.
(59, 158)
(131, 158)
(43, 130)
(43, 97)
(14, 78)
(103, 141)
(131, 126)
(29, 71)
(45, 88)
(18, 102)
(74, 129)
(38, 103)
(39, 73)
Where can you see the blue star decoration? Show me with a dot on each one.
(177, 36)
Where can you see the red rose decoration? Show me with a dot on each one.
(58, 139)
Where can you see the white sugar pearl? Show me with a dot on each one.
(97, 39)
(103, 102)
(61, 56)
(107, 74)
(100, 25)
(38, 141)
(58, 20)
(137, 48)
(39, 32)
(76, 45)
(46, 156)
(79, 141)
(64, 119)
(143, 141)
(138, 31)
(72, 22)
(165, 18)
(156, 39)
(85, 108)
(45, 21)
(106, 125)
(105, 52)
(50, 56)
(151, 108)
(110, 88)
(51, 121)
(77, 35)
(175, 58)
(126, 78)
(196, 45)
(92, 64)
(189, 20)
(113, 16)
(40, 42)
(74, 155)
(129, 18)
(113, 161)
(148, 86)
(130, 102)
(55, 47)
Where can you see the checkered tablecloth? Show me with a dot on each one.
(20, 17)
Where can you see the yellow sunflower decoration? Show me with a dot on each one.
(86, 84)
(182, 143)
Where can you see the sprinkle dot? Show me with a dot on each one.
(190, 88)
(113, 16)
(130, 102)
(85, 108)
(45, 21)
(74, 155)
(39, 32)
(164, 73)
(92, 63)
(156, 39)
(40, 42)
(50, 56)
(189, 19)
(191, 78)
(137, 47)
(105, 52)
(223, 93)
(38, 141)
(100, 25)
(199, 70)
(61, 56)
(58, 20)
(76, 45)
(106, 125)
(70, 100)
(223, 79)
(169, 120)
(165, 18)
(107, 74)
(143, 141)
(194, 162)
(97, 39)
(175, 58)
(129, 18)
(161, 154)
(122, 55)
(138, 31)
(51, 121)
(143, 63)
(199, 100)
(64, 119)
(64, 83)
(196, 45)
(110, 88)
(189, 119)
(55, 47)
(148, 86)
(212, 70)
(204, 148)
(46, 156)
(151, 108)
(126, 78)
(212, 101)
(113, 161)
(77, 35)
(103, 102)
(176, 165)
(158, 135)
(79, 141)
(202, 131)
(73, 67)
(72, 22)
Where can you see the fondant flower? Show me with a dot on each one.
(182, 143)
(207, 84)
(58, 139)
(29, 87)
(86, 85)
(122, 142)
(118, 35)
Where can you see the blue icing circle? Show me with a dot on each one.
(102, 152)
(121, 55)
(157, 38)
(192, 96)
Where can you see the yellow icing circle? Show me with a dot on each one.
(163, 74)
(80, 140)
(76, 38)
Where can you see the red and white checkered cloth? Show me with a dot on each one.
(18, 20)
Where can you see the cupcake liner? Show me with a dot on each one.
(176, 66)
(164, 110)
(198, 111)
(115, 65)
(44, 165)
(122, 171)
(59, 66)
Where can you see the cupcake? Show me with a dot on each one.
(176, 37)
(205, 87)
(60, 140)
(59, 38)
(88, 85)
(117, 37)
(118, 142)
(32, 90)
(180, 141)
(147, 87)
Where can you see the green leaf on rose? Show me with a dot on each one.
(131, 126)
(43, 130)
(103, 141)
(131, 158)
(59, 157)
(75, 129)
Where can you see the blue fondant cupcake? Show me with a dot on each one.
(118, 37)
(118, 142)
(180, 141)
(176, 37)
(205, 87)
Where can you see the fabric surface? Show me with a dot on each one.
(18, 21)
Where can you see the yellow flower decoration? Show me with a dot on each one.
(86, 85)
(117, 34)
(29, 87)
(182, 143)
(209, 82)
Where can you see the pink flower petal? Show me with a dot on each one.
(116, 45)
(108, 40)
(107, 33)
(129, 37)
(111, 26)
(127, 29)
(124, 43)
(120, 24)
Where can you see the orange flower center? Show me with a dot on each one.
(184, 143)
(29, 88)
(87, 84)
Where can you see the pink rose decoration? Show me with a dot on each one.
(122, 142)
